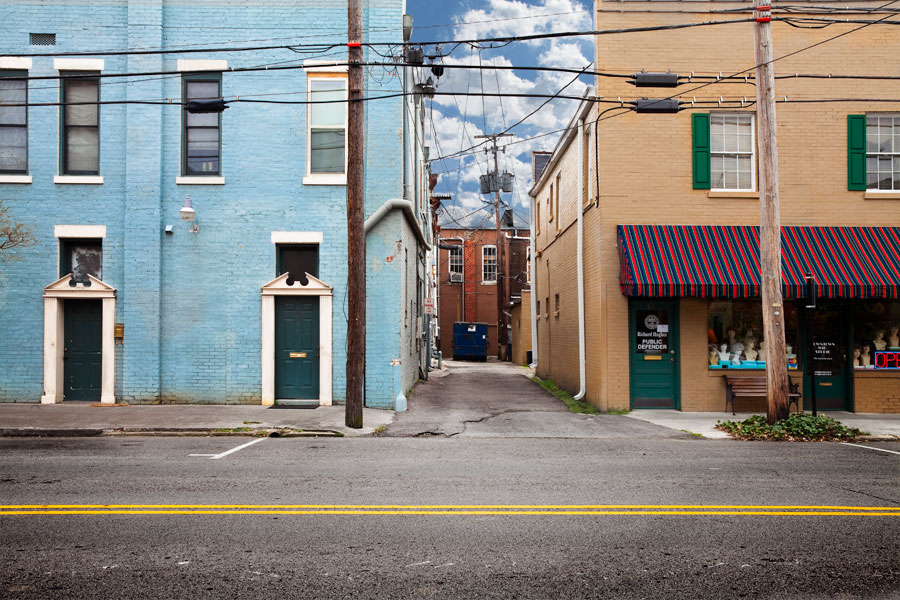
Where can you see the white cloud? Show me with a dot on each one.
(457, 119)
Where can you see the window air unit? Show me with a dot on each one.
(455, 277)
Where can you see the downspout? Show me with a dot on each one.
(579, 203)
(534, 339)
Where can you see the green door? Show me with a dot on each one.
(827, 346)
(83, 350)
(653, 353)
(296, 348)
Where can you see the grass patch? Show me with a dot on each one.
(618, 411)
(696, 435)
(380, 430)
(233, 429)
(575, 406)
(799, 427)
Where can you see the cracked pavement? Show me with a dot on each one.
(497, 400)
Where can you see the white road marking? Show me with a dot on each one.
(241, 447)
(871, 448)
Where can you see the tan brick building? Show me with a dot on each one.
(653, 332)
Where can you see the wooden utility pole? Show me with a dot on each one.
(356, 236)
(777, 380)
(501, 250)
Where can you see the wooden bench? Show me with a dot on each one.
(746, 385)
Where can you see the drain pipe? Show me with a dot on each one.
(579, 267)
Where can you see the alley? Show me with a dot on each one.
(496, 399)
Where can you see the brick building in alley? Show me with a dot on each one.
(468, 274)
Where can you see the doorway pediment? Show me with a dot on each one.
(63, 288)
(279, 287)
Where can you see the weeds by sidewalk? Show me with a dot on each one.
(799, 427)
(575, 406)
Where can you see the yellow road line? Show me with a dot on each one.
(369, 507)
(804, 513)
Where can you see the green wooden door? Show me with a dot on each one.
(296, 348)
(653, 353)
(827, 344)
(83, 350)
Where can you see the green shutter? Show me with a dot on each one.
(700, 126)
(856, 152)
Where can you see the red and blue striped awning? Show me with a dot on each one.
(722, 261)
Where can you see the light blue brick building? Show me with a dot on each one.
(122, 299)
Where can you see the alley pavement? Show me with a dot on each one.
(497, 399)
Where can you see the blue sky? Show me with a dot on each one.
(453, 121)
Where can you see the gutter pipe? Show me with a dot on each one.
(582, 362)
(408, 212)
(534, 317)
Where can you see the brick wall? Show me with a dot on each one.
(190, 302)
(645, 178)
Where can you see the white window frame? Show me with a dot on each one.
(752, 152)
(895, 154)
(457, 253)
(484, 249)
(326, 74)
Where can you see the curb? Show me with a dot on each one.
(163, 432)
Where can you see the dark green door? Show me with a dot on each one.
(83, 350)
(653, 344)
(827, 345)
(296, 348)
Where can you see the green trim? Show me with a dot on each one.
(200, 76)
(856, 152)
(701, 150)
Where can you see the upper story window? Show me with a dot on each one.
(556, 198)
(528, 264)
(327, 125)
(202, 140)
(80, 118)
(489, 264)
(13, 122)
(732, 148)
(455, 264)
(882, 152)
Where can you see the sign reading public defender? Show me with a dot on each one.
(652, 331)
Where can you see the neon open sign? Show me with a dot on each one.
(887, 360)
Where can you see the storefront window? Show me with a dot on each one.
(735, 335)
(875, 327)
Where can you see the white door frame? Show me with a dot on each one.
(55, 295)
(280, 287)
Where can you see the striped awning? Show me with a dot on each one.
(720, 261)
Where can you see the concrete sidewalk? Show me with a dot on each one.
(879, 426)
(71, 418)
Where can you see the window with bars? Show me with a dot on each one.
(327, 123)
(489, 264)
(80, 114)
(13, 123)
(882, 152)
(202, 131)
(455, 264)
(732, 148)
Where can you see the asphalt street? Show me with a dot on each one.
(447, 517)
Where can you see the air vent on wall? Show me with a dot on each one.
(42, 39)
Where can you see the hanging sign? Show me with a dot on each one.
(651, 332)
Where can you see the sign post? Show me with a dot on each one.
(812, 290)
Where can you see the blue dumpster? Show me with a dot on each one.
(470, 341)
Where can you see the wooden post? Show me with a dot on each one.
(501, 321)
(778, 383)
(356, 237)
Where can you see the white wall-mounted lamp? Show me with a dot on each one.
(188, 213)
